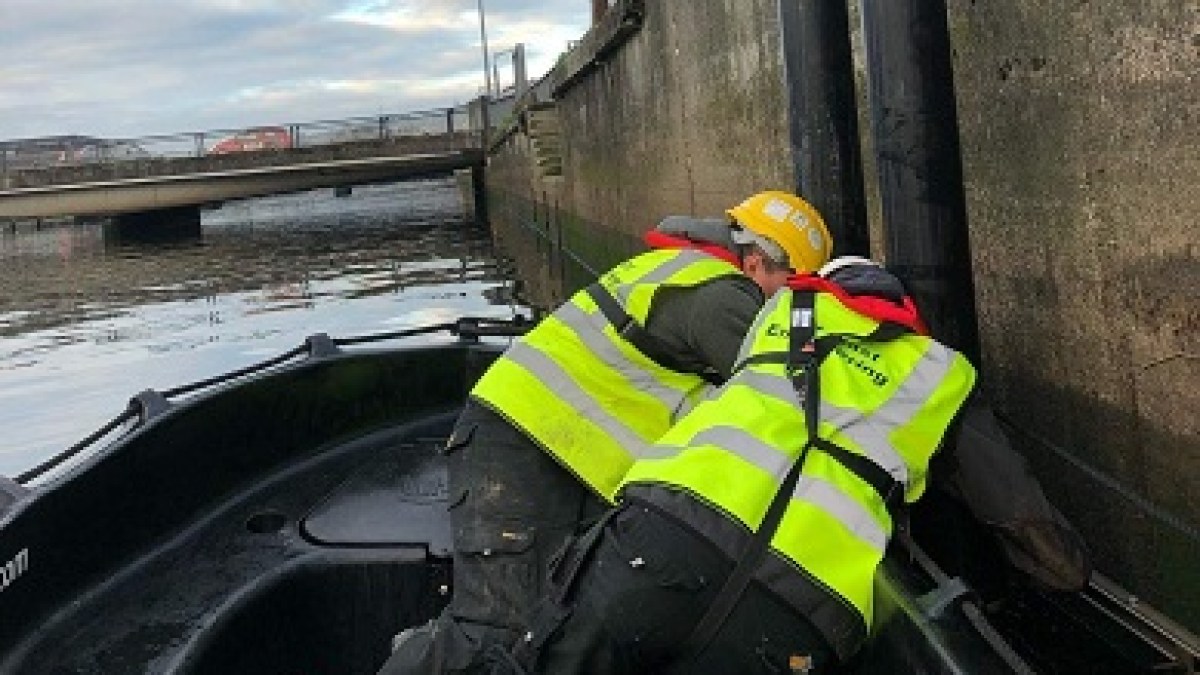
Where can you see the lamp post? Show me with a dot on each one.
(487, 70)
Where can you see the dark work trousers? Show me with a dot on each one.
(512, 507)
(640, 594)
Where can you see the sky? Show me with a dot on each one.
(128, 68)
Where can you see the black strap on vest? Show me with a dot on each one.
(804, 357)
(808, 353)
(634, 333)
(890, 490)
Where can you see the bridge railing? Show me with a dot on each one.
(452, 123)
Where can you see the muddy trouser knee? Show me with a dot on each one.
(638, 592)
(511, 508)
(615, 582)
(555, 605)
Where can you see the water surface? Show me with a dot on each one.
(86, 320)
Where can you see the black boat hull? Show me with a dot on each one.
(292, 522)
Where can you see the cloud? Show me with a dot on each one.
(137, 67)
(408, 18)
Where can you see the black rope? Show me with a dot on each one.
(544, 235)
(423, 330)
(63, 456)
(240, 372)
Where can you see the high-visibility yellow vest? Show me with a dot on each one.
(581, 390)
(719, 467)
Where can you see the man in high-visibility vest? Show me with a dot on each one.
(747, 538)
(552, 427)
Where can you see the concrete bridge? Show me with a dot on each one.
(162, 181)
(156, 184)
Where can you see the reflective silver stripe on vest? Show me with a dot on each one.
(771, 385)
(871, 430)
(588, 327)
(843, 507)
(765, 313)
(746, 446)
(659, 274)
(556, 379)
(815, 491)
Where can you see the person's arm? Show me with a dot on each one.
(704, 326)
(981, 468)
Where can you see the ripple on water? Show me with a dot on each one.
(85, 322)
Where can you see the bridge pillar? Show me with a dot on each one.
(479, 188)
(159, 225)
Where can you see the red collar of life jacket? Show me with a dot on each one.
(656, 239)
(875, 307)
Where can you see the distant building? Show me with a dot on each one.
(50, 151)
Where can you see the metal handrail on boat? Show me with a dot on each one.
(466, 328)
(966, 603)
(1167, 636)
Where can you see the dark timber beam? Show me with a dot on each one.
(822, 117)
(915, 130)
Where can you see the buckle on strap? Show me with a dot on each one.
(806, 352)
(893, 495)
(627, 327)
(890, 490)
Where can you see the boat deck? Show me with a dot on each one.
(293, 522)
(318, 565)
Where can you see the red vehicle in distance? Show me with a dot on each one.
(267, 138)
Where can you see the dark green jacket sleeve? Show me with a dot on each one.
(981, 467)
(703, 326)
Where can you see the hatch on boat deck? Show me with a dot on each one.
(395, 500)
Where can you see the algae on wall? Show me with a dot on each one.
(687, 117)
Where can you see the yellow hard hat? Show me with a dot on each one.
(790, 222)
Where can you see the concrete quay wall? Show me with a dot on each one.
(684, 114)
(1078, 125)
